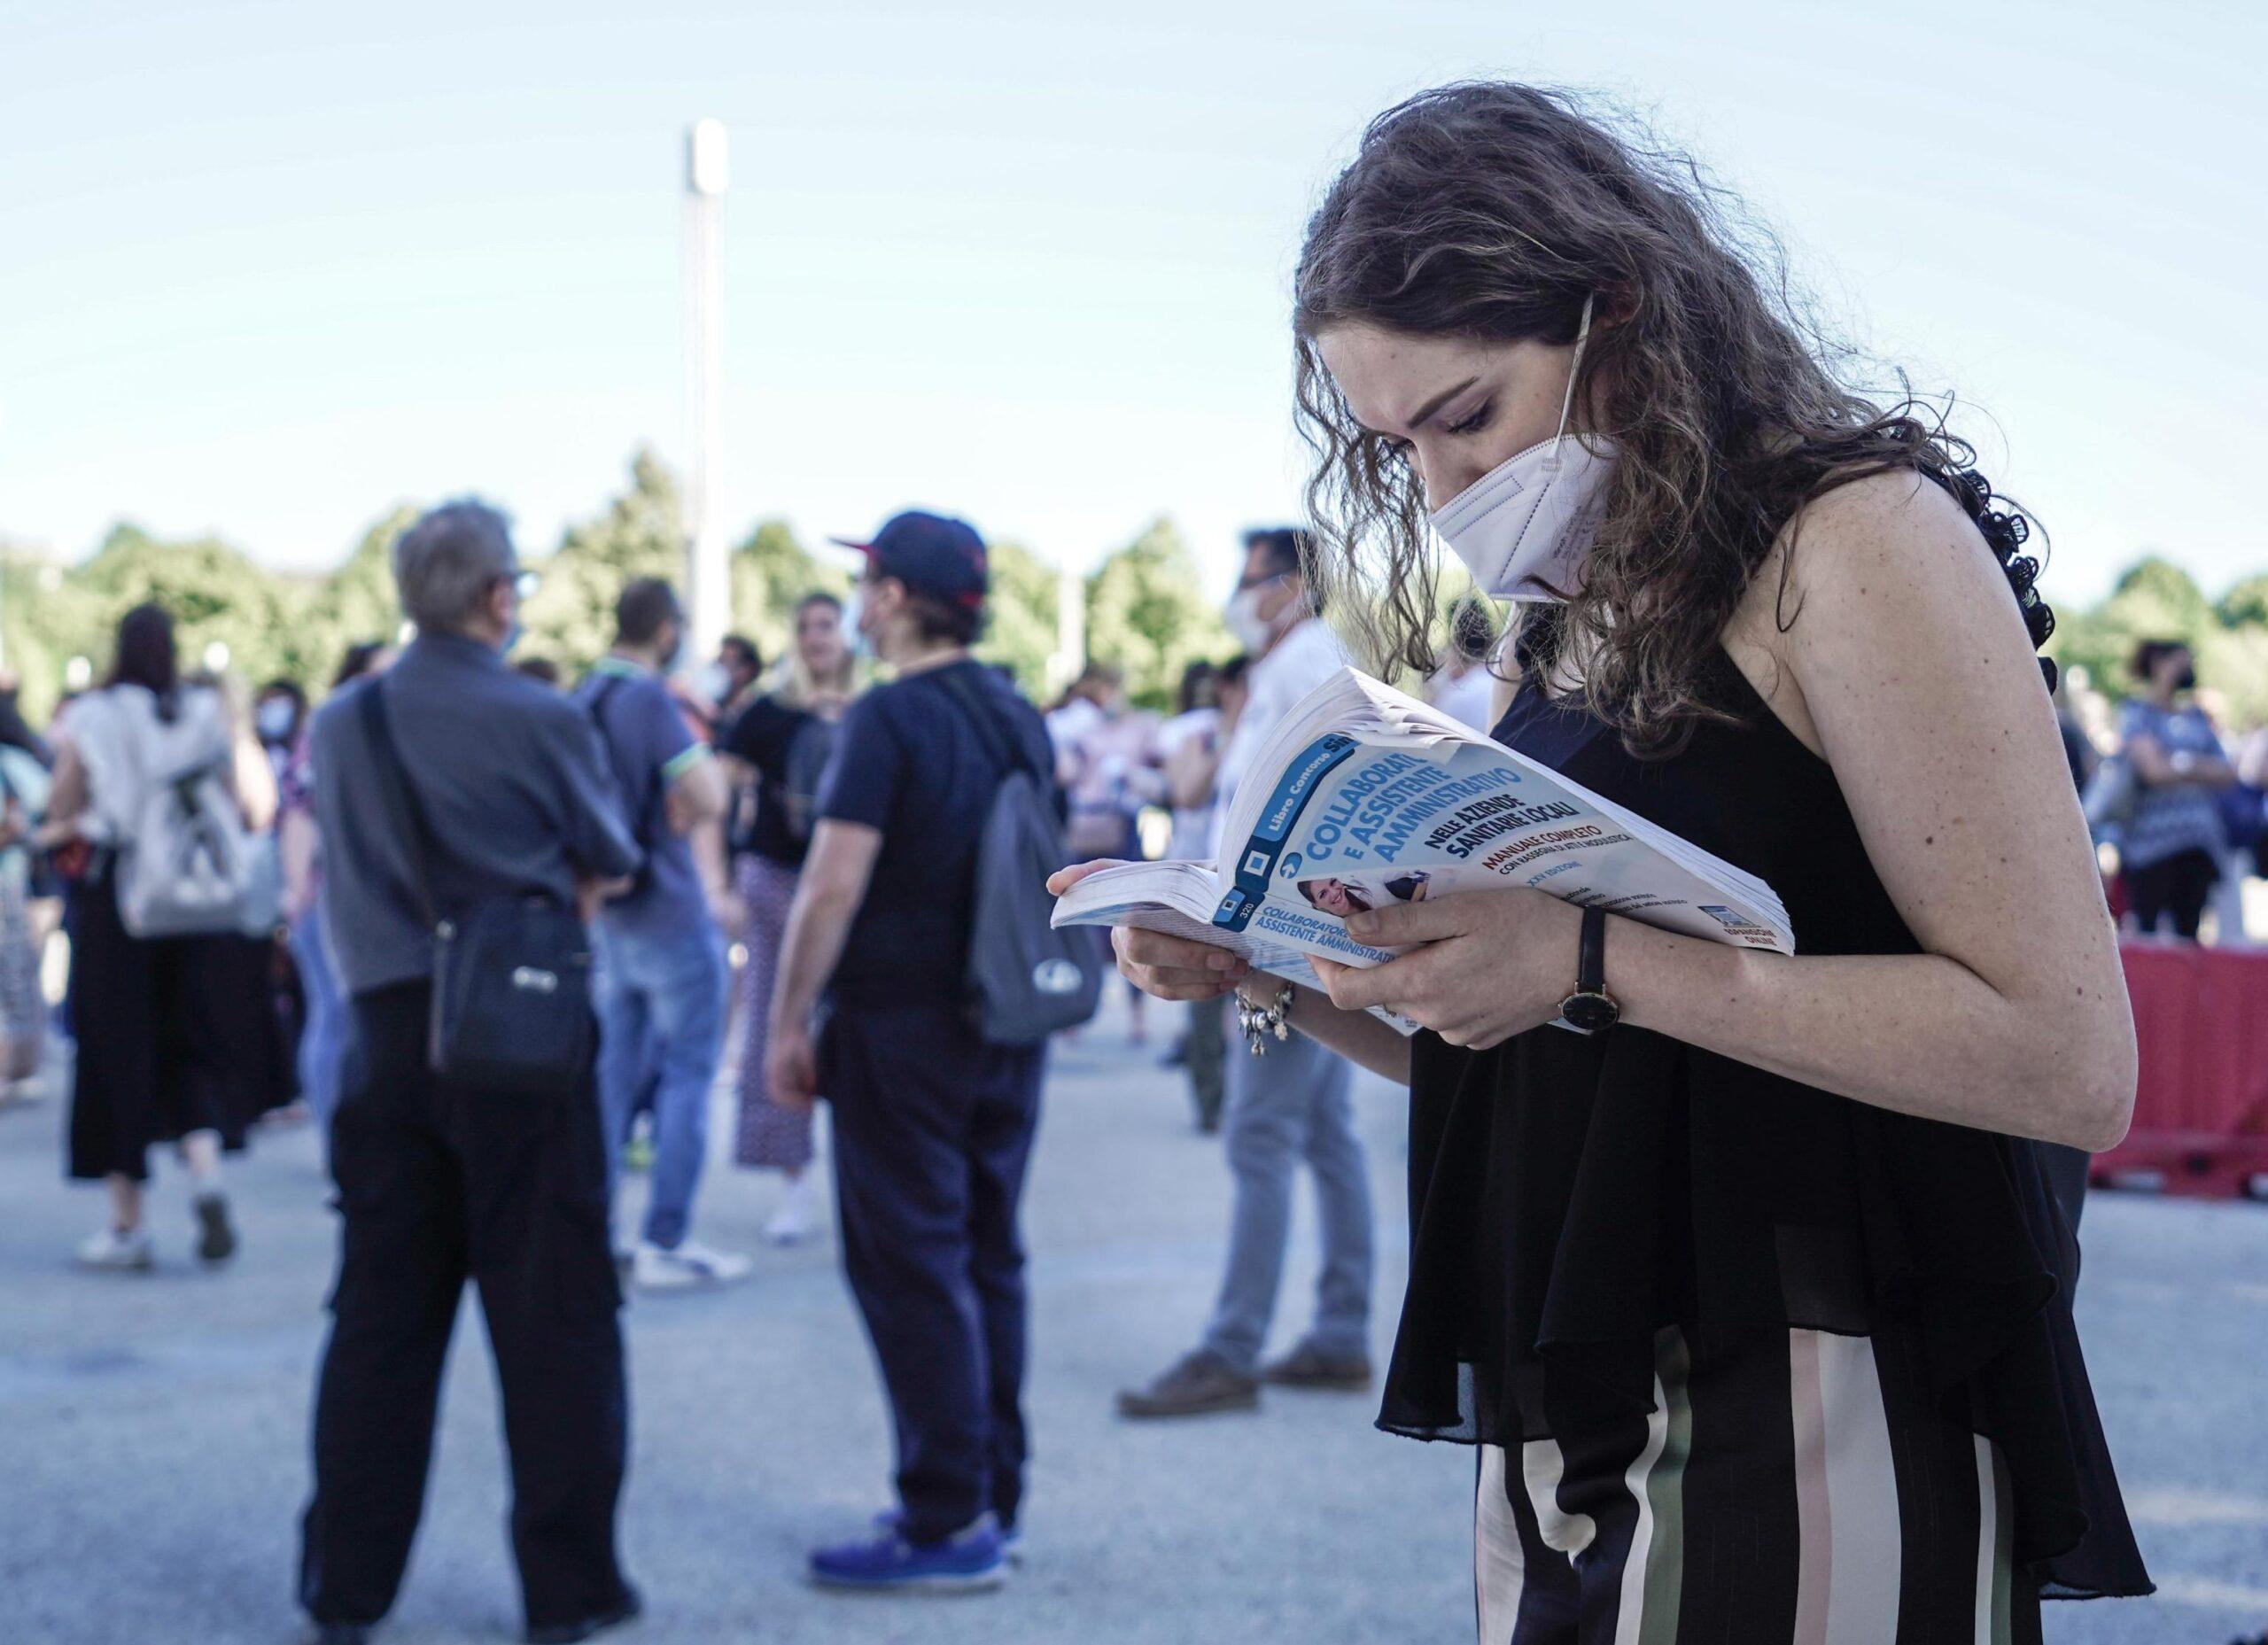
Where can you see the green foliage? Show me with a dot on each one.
(1147, 611)
(1148, 607)
(771, 571)
(356, 603)
(1020, 630)
(2154, 600)
(216, 595)
(2246, 604)
(2233, 663)
(2156, 587)
(569, 619)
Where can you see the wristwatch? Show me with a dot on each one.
(1590, 1007)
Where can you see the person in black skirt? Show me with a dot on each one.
(1753, 1299)
(157, 1062)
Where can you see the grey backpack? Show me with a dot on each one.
(1026, 980)
(187, 865)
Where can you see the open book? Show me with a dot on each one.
(1363, 795)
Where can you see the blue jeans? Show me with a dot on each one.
(661, 1005)
(1289, 1105)
(323, 1041)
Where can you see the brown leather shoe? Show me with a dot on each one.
(1190, 1386)
(1307, 1366)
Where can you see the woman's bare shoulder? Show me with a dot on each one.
(1858, 565)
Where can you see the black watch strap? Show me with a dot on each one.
(1590, 954)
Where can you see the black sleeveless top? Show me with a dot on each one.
(1570, 1196)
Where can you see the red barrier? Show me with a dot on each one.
(2200, 1108)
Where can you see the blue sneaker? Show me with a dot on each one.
(1012, 1537)
(967, 1563)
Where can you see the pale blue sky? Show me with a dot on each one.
(266, 268)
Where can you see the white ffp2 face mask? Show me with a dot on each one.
(1522, 528)
(1242, 617)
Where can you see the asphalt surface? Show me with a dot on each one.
(153, 1427)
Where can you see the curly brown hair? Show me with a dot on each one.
(1492, 211)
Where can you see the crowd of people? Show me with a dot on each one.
(750, 842)
(251, 887)
(1757, 1331)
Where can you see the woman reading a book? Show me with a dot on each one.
(1752, 1296)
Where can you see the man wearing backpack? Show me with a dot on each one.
(933, 1109)
(663, 978)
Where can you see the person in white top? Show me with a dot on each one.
(1189, 747)
(152, 1063)
(1293, 1103)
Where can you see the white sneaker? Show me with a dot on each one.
(110, 1249)
(797, 1218)
(692, 1263)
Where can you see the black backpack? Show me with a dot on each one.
(1026, 980)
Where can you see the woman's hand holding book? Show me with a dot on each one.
(1168, 967)
(1481, 966)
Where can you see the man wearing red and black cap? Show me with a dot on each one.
(933, 557)
(933, 1124)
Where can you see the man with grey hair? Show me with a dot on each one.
(441, 1180)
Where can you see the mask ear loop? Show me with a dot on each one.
(1567, 401)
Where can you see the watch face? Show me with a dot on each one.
(1590, 1012)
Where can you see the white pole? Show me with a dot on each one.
(1070, 629)
(709, 575)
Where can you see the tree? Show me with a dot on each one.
(2245, 604)
(570, 618)
(1020, 631)
(772, 571)
(45, 614)
(1147, 607)
(2154, 599)
(217, 596)
(1146, 612)
(2155, 586)
(356, 603)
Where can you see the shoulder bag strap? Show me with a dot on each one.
(397, 797)
(652, 795)
(991, 730)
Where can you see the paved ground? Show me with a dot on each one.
(153, 1429)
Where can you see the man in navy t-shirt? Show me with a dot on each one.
(662, 976)
(933, 1125)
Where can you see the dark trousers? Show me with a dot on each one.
(933, 1129)
(153, 1064)
(437, 1183)
(2175, 887)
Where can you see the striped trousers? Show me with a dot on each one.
(1797, 1489)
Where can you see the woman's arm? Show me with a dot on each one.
(2252, 760)
(1914, 676)
(296, 840)
(2160, 770)
(66, 797)
(1190, 769)
(252, 781)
